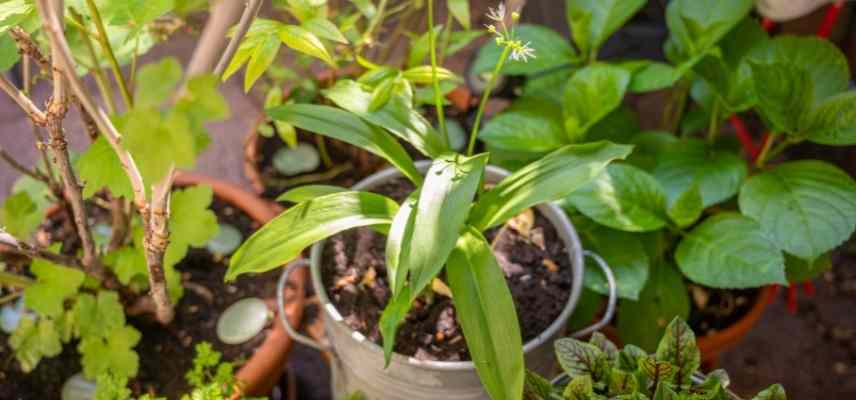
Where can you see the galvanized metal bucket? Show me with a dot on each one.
(358, 363)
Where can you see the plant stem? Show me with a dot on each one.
(250, 12)
(322, 151)
(104, 40)
(33, 111)
(378, 17)
(782, 147)
(438, 97)
(18, 247)
(15, 280)
(446, 37)
(713, 127)
(97, 73)
(485, 96)
(765, 151)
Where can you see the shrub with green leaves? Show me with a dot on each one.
(598, 370)
(687, 206)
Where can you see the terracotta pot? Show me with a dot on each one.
(264, 369)
(252, 157)
(712, 346)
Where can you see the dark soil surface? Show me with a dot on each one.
(166, 353)
(536, 266)
(716, 309)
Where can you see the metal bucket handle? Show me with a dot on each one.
(306, 340)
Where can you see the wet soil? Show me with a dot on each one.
(714, 310)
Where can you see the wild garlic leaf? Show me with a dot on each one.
(832, 122)
(815, 196)
(324, 29)
(114, 353)
(460, 10)
(156, 81)
(33, 340)
(486, 311)
(305, 42)
(309, 192)
(54, 284)
(20, 216)
(283, 238)
(623, 197)
(590, 95)
(643, 321)
(624, 253)
(398, 243)
(98, 316)
(730, 251)
(594, 21)
(550, 178)
(99, 168)
(533, 124)
(718, 173)
(553, 51)
(678, 347)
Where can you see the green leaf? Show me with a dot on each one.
(157, 142)
(678, 347)
(623, 252)
(619, 126)
(718, 173)
(397, 116)
(8, 52)
(261, 34)
(202, 101)
(580, 388)
(34, 340)
(99, 167)
(114, 355)
(799, 270)
(284, 237)
(156, 82)
(815, 196)
(533, 124)
(306, 42)
(606, 346)
(398, 243)
(686, 209)
(128, 263)
(623, 197)
(441, 212)
(309, 192)
(536, 388)
(784, 93)
(98, 317)
(775, 392)
(591, 94)
(486, 311)
(135, 12)
(460, 10)
(833, 122)
(550, 178)
(54, 284)
(664, 297)
(621, 382)
(697, 25)
(730, 251)
(651, 76)
(423, 75)
(579, 358)
(325, 29)
(553, 51)
(13, 12)
(394, 313)
(262, 56)
(594, 21)
(20, 215)
(347, 127)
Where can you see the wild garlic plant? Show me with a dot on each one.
(450, 207)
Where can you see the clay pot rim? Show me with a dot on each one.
(713, 344)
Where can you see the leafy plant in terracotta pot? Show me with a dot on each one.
(426, 240)
(100, 278)
(599, 370)
(686, 221)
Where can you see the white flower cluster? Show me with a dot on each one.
(504, 37)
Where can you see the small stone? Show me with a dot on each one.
(840, 368)
(550, 265)
(231, 289)
(525, 278)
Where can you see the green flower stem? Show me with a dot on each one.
(104, 40)
(765, 151)
(322, 151)
(438, 97)
(713, 127)
(485, 96)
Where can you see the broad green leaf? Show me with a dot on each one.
(822, 60)
(784, 93)
(8, 52)
(441, 212)
(347, 127)
(393, 315)
(664, 297)
(156, 82)
(113, 354)
(99, 168)
(650, 76)
(158, 142)
(775, 392)
(552, 177)
(306, 42)
(191, 222)
(98, 317)
(686, 208)
(833, 122)
(581, 387)
(284, 237)
(649, 146)
(552, 48)
(128, 263)
(697, 25)
(308, 192)
(718, 173)
(34, 340)
(622, 383)
(324, 29)
(20, 215)
(678, 347)
(619, 126)
(578, 358)
(135, 12)
(460, 10)
(594, 21)
(606, 346)
(381, 94)
(536, 388)
(486, 311)
(661, 373)
(13, 12)
(397, 116)
(549, 85)
(799, 270)
(423, 75)
(730, 251)
(54, 284)
(814, 196)
(533, 124)
(260, 59)
(591, 94)
(623, 197)
(202, 101)
(623, 252)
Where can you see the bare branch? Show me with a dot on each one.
(10, 243)
(21, 168)
(222, 16)
(156, 242)
(250, 12)
(33, 111)
(27, 47)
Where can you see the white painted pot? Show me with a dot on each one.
(785, 10)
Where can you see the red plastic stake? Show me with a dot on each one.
(829, 19)
(808, 288)
(792, 299)
(743, 135)
(767, 24)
